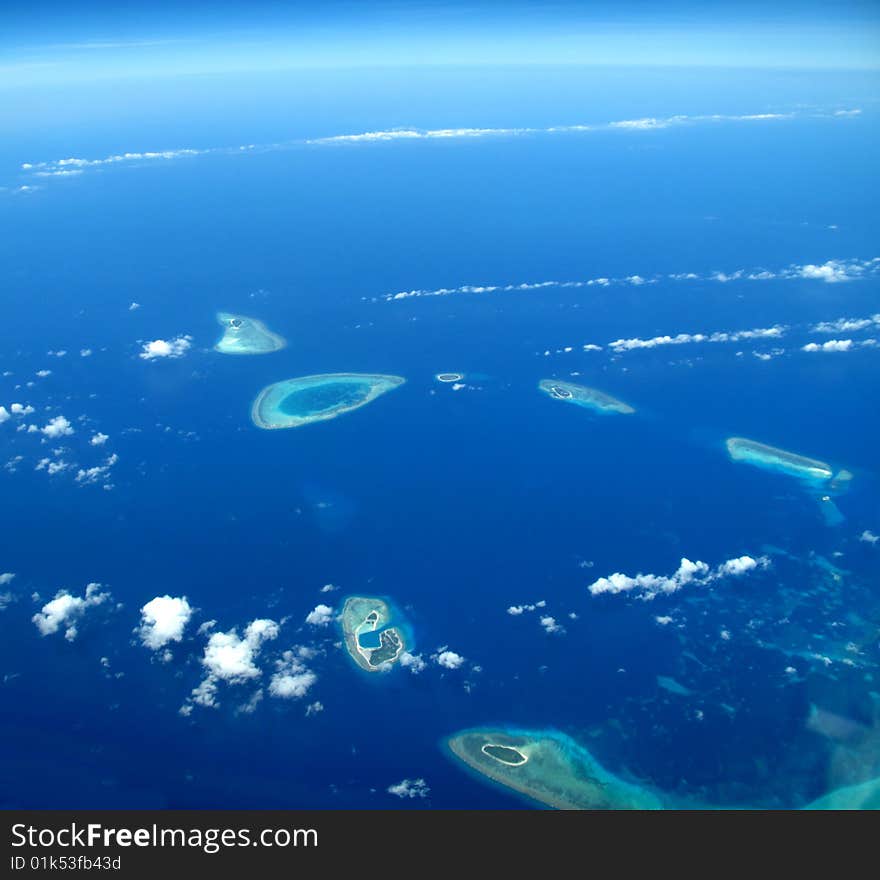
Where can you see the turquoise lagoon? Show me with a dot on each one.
(292, 403)
(243, 335)
(374, 632)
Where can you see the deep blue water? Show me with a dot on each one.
(456, 504)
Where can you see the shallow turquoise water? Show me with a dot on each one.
(310, 400)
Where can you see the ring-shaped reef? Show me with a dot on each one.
(548, 767)
(369, 638)
(244, 335)
(581, 395)
(448, 378)
(296, 402)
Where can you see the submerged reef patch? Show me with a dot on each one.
(591, 398)
(243, 335)
(548, 767)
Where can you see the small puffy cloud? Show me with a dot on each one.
(551, 626)
(203, 695)
(6, 577)
(231, 658)
(321, 615)
(314, 708)
(448, 659)
(42, 374)
(737, 566)
(57, 427)
(85, 352)
(163, 620)
(19, 409)
(410, 788)
(847, 325)
(99, 439)
(516, 610)
(329, 588)
(867, 536)
(831, 271)
(4, 415)
(292, 679)
(98, 472)
(51, 467)
(65, 611)
(162, 348)
(134, 307)
(414, 662)
(831, 345)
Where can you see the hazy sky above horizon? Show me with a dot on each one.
(55, 43)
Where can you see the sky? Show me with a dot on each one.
(46, 43)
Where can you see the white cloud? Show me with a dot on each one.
(321, 615)
(642, 124)
(414, 662)
(4, 415)
(203, 695)
(19, 409)
(231, 658)
(551, 626)
(76, 165)
(516, 610)
(292, 679)
(94, 474)
(161, 348)
(830, 271)
(410, 788)
(847, 325)
(134, 306)
(63, 167)
(651, 585)
(831, 345)
(65, 610)
(6, 577)
(775, 332)
(57, 427)
(52, 467)
(448, 659)
(738, 566)
(163, 620)
(867, 536)
(99, 439)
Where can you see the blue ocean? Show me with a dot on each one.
(688, 245)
